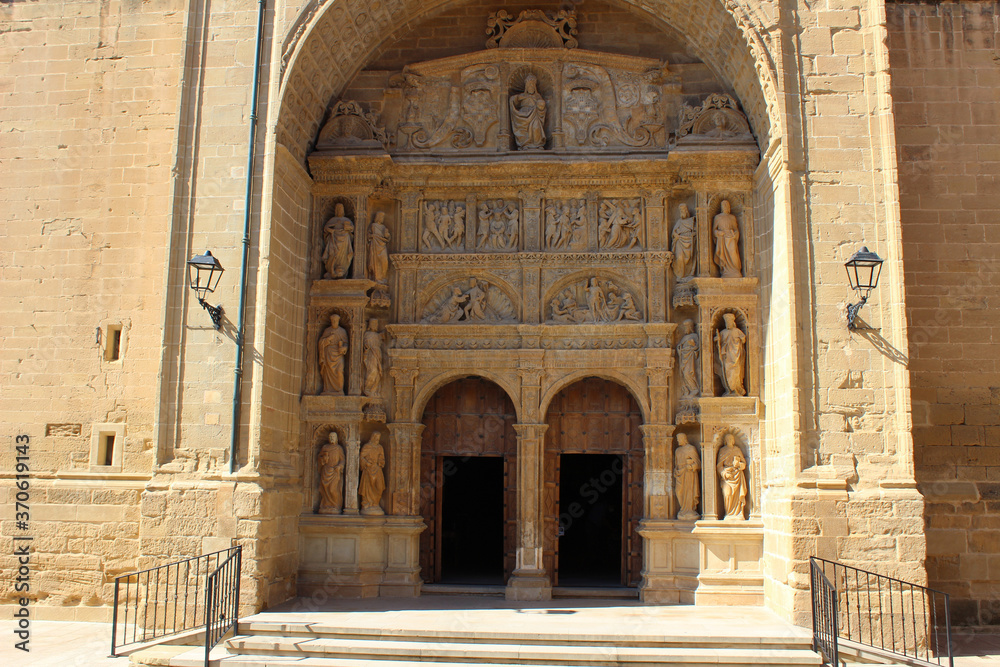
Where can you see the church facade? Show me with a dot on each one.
(524, 298)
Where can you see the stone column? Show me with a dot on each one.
(359, 268)
(555, 108)
(657, 230)
(709, 480)
(409, 228)
(352, 446)
(705, 245)
(659, 476)
(529, 580)
(404, 483)
(531, 214)
(355, 370)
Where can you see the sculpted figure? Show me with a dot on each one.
(338, 251)
(732, 478)
(372, 482)
(331, 476)
(629, 311)
(596, 301)
(684, 238)
(726, 231)
(527, 115)
(454, 308)
(619, 224)
(475, 309)
(687, 465)
(373, 359)
(332, 351)
(687, 357)
(378, 250)
(731, 342)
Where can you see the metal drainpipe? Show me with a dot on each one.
(251, 154)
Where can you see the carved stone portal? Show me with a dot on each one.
(594, 300)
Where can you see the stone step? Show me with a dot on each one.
(308, 630)
(479, 652)
(222, 657)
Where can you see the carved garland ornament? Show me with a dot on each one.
(533, 28)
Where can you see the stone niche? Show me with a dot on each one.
(516, 251)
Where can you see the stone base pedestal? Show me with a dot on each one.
(359, 556)
(705, 562)
(529, 586)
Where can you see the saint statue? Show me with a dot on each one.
(527, 115)
(687, 486)
(726, 231)
(332, 351)
(373, 359)
(732, 478)
(732, 356)
(331, 476)
(372, 480)
(378, 250)
(338, 251)
(687, 356)
(684, 238)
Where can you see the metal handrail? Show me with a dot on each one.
(222, 600)
(824, 613)
(166, 600)
(883, 613)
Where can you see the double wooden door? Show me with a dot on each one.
(471, 419)
(596, 416)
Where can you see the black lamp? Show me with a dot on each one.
(863, 270)
(204, 272)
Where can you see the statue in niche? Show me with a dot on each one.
(687, 357)
(726, 231)
(338, 251)
(444, 225)
(378, 250)
(498, 223)
(731, 342)
(372, 483)
(687, 485)
(620, 222)
(684, 237)
(563, 220)
(331, 476)
(332, 353)
(373, 359)
(527, 115)
(732, 478)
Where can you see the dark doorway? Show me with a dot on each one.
(590, 519)
(472, 520)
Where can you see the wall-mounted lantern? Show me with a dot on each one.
(863, 270)
(204, 272)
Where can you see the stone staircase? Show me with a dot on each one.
(266, 644)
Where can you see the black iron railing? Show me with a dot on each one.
(883, 613)
(824, 611)
(222, 606)
(169, 599)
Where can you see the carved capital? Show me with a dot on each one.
(530, 431)
(405, 432)
(404, 377)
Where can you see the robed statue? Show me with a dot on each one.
(372, 483)
(683, 239)
(732, 478)
(527, 115)
(338, 248)
(332, 350)
(726, 231)
(687, 356)
(731, 342)
(687, 484)
(378, 250)
(372, 356)
(331, 476)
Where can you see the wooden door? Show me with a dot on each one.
(468, 417)
(595, 416)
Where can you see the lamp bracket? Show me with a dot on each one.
(215, 312)
(852, 312)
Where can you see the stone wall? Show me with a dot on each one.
(945, 79)
(88, 104)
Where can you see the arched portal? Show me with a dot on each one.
(468, 465)
(593, 500)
